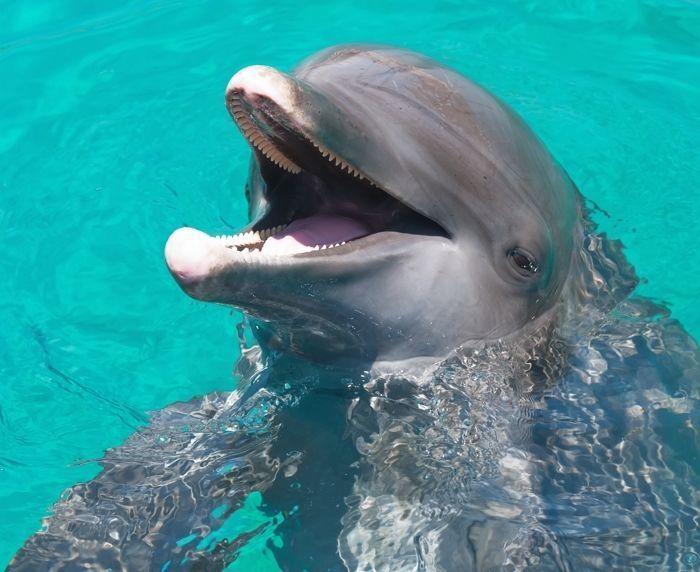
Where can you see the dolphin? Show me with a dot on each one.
(402, 215)
(398, 211)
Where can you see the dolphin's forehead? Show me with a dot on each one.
(356, 60)
(376, 74)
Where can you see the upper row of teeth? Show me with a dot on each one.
(260, 141)
(343, 165)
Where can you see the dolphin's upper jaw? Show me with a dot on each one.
(319, 204)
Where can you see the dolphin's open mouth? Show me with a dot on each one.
(317, 199)
(316, 203)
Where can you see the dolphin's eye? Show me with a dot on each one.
(524, 261)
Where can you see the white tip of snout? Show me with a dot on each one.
(189, 254)
(264, 81)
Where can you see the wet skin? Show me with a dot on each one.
(455, 225)
(455, 228)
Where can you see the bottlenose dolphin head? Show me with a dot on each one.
(397, 210)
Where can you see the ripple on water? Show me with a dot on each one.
(113, 133)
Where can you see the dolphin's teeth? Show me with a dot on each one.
(259, 140)
(344, 166)
(241, 239)
(271, 231)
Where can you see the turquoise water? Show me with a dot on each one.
(113, 132)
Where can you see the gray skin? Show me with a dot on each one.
(578, 455)
(492, 263)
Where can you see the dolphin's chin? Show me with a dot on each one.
(318, 205)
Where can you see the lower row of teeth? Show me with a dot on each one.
(307, 249)
(257, 237)
(250, 237)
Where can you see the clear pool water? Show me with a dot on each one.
(113, 132)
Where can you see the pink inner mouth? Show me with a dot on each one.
(315, 230)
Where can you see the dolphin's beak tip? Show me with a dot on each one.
(188, 254)
(262, 81)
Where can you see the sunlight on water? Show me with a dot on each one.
(114, 132)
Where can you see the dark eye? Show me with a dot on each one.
(524, 261)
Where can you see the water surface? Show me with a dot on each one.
(113, 132)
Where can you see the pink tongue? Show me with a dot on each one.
(315, 230)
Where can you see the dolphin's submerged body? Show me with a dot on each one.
(452, 372)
